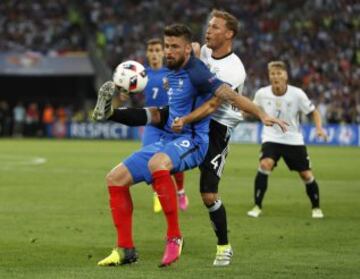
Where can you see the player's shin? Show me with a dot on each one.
(122, 208)
(179, 180)
(312, 190)
(217, 215)
(165, 188)
(131, 116)
(261, 182)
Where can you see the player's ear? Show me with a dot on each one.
(188, 48)
(286, 75)
(229, 34)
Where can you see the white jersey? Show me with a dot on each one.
(286, 107)
(231, 70)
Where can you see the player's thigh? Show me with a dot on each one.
(217, 152)
(119, 176)
(185, 153)
(270, 154)
(137, 163)
(151, 135)
(209, 180)
(296, 158)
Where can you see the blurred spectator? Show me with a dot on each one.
(19, 116)
(48, 118)
(32, 121)
(5, 119)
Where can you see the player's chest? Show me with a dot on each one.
(285, 105)
(180, 89)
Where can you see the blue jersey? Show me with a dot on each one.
(189, 88)
(155, 93)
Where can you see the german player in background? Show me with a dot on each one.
(286, 102)
(156, 96)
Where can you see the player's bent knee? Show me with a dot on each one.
(209, 198)
(119, 176)
(160, 161)
(307, 176)
(266, 164)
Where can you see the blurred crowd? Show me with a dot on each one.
(35, 120)
(318, 39)
(46, 26)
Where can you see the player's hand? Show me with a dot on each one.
(196, 48)
(271, 121)
(177, 125)
(321, 133)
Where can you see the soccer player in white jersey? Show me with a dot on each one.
(285, 102)
(218, 55)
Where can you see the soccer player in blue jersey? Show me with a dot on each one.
(191, 84)
(156, 96)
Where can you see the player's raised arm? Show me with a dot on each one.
(226, 94)
(196, 48)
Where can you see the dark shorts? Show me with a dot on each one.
(295, 156)
(213, 165)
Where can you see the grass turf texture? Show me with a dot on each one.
(55, 220)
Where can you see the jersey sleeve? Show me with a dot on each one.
(256, 100)
(203, 54)
(305, 105)
(202, 79)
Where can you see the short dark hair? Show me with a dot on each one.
(154, 41)
(179, 30)
(231, 21)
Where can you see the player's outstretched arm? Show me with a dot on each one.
(226, 94)
(204, 110)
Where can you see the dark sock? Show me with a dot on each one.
(312, 190)
(217, 215)
(261, 180)
(130, 116)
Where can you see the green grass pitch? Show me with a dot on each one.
(55, 221)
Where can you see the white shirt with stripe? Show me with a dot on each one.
(231, 70)
(286, 107)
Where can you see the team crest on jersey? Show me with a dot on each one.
(165, 82)
(278, 104)
(181, 83)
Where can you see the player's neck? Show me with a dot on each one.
(279, 90)
(156, 66)
(222, 51)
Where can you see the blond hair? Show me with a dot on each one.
(231, 21)
(277, 64)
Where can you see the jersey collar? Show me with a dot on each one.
(222, 57)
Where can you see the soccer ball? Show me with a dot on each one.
(131, 76)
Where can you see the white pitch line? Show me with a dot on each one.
(17, 160)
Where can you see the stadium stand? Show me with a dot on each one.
(319, 39)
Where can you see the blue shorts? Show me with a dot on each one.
(151, 135)
(184, 152)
